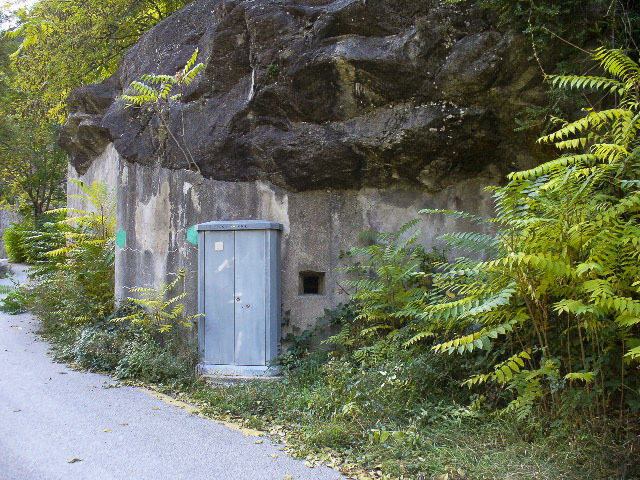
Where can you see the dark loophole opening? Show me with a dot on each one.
(311, 283)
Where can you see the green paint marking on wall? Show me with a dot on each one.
(121, 238)
(192, 235)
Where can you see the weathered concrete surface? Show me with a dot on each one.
(157, 205)
(50, 414)
(105, 169)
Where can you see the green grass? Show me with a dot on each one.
(330, 409)
(328, 412)
(439, 439)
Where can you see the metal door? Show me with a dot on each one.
(250, 282)
(219, 293)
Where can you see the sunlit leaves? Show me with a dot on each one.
(93, 225)
(563, 265)
(162, 310)
(159, 88)
(69, 43)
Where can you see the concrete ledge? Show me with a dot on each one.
(238, 372)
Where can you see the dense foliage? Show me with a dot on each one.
(51, 48)
(72, 293)
(554, 25)
(406, 418)
(32, 166)
(556, 33)
(159, 310)
(127, 350)
(66, 44)
(554, 313)
(30, 241)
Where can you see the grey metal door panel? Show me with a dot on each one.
(219, 299)
(250, 272)
(201, 322)
(272, 302)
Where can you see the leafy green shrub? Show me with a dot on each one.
(29, 242)
(158, 310)
(80, 291)
(130, 351)
(301, 349)
(46, 236)
(147, 360)
(554, 315)
(75, 302)
(96, 347)
(15, 301)
(390, 276)
(93, 225)
(15, 243)
(75, 281)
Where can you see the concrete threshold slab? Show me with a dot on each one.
(234, 374)
(221, 381)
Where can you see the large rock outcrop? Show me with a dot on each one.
(317, 94)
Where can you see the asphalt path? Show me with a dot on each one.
(57, 423)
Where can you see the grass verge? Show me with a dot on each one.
(387, 430)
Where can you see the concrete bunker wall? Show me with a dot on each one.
(156, 206)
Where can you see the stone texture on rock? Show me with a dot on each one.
(321, 94)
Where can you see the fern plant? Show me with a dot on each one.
(94, 224)
(157, 92)
(555, 310)
(158, 310)
(390, 275)
(77, 287)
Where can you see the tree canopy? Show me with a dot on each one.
(69, 43)
(49, 49)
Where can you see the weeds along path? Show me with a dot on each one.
(57, 423)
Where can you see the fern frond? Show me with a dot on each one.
(616, 63)
(417, 338)
(591, 120)
(156, 80)
(6, 289)
(586, 377)
(193, 73)
(481, 339)
(553, 165)
(191, 62)
(590, 82)
(503, 372)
